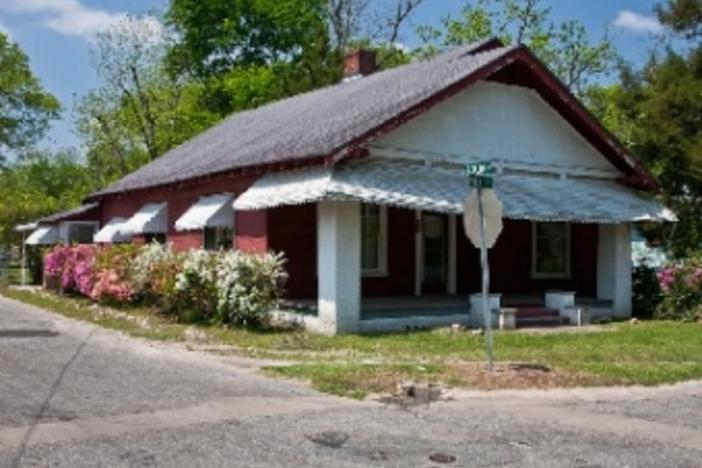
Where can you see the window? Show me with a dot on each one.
(550, 250)
(81, 232)
(159, 238)
(374, 223)
(218, 238)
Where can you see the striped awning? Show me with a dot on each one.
(401, 183)
(111, 232)
(43, 235)
(210, 211)
(150, 219)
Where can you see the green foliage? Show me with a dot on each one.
(646, 290)
(248, 286)
(25, 107)
(565, 47)
(683, 16)
(140, 110)
(194, 286)
(257, 51)
(218, 35)
(681, 285)
(37, 185)
(656, 112)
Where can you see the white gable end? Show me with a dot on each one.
(507, 124)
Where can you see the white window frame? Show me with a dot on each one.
(382, 269)
(539, 275)
(204, 236)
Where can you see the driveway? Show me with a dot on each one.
(73, 395)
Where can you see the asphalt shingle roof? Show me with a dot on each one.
(63, 215)
(312, 124)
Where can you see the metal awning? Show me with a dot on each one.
(408, 184)
(112, 232)
(26, 227)
(43, 235)
(150, 219)
(210, 211)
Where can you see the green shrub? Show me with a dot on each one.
(194, 295)
(681, 285)
(222, 287)
(248, 286)
(647, 293)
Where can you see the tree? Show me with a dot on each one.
(225, 42)
(140, 110)
(217, 35)
(25, 107)
(659, 113)
(565, 47)
(683, 16)
(40, 184)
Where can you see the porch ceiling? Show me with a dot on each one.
(413, 185)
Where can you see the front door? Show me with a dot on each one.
(434, 234)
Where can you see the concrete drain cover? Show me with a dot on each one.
(442, 458)
(332, 439)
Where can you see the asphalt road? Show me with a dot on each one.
(73, 395)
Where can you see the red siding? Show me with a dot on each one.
(400, 279)
(293, 231)
(510, 262)
(186, 240)
(179, 199)
(251, 229)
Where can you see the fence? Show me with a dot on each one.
(12, 272)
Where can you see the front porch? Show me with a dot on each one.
(403, 313)
(379, 245)
(365, 268)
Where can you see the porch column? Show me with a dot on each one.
(339, 266)
(614, 267)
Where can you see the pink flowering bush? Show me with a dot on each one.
(71, 268)
(110, 287)
(681, 287)
(222, 287)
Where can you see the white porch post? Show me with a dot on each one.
(614, 267)
(339, 266)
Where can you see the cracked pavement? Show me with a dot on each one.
(75, 395)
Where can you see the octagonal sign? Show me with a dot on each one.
(492, 209)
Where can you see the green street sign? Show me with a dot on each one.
(483, 168)
(477, 181)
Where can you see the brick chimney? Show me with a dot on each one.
(359, 62)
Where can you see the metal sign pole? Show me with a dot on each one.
(24, 260)
(487, 314)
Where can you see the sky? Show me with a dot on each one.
(57, 36)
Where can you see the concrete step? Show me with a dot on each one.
(529, 312)
(542, 321)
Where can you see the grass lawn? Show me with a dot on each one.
(13, 274)
(646, 353)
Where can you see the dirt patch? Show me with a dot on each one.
(518, 376)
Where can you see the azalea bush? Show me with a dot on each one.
(113, 268)
(194, 293)
(248, 286)
(198, 285)
(71, 268)
(681, 288)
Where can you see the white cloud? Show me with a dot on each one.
(68, 17)
(636, 22)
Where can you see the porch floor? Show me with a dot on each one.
(398, 307)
